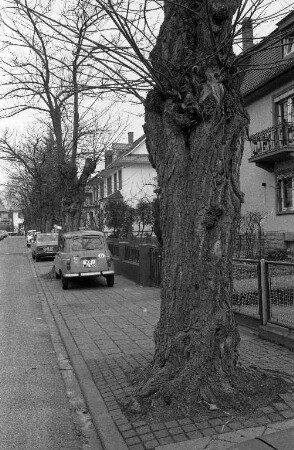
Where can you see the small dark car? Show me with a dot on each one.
(44, 245)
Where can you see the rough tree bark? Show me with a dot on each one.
(194, 124)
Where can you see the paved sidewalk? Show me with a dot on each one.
(108, 333)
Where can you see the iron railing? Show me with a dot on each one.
(114, 249)
(155, 266)
(132, 254)
(272, 139)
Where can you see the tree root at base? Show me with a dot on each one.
(246, 390)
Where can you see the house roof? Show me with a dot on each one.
(264, 62)
(125, 157)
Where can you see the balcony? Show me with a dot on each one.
(272, 145)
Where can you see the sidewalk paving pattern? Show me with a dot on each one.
(113, 329)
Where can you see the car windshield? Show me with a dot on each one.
(87, 243)
(52, 237)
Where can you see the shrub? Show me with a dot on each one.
(279, 254)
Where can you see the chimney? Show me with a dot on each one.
(130, 138)
(108, 157)
(247, 33)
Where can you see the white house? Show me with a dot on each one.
(127, 174)
(267, 169)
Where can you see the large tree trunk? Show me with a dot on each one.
(194, 129)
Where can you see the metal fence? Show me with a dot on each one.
(155, 266)
(132, 253)
(280, 293)
(265, 289)
(247, 287)
(114, 249)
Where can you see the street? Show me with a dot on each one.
(35, 410)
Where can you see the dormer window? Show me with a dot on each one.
(288, 45)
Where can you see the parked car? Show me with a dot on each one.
(30, 237)
(3, 233)
(44, 245)
(83, 254)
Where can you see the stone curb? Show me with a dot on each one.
(104, 425)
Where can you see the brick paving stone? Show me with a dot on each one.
(137, 447)
(263, 420)
(157, 426)
(208, 432)
(165, 440)
(235, 425)
(189, 428)
(172, 423)
(280, 406)
(139, 424)
(147, 437)
(161, 433)
(185, 421)
(215, 422)
(249, 423)
(133, 440)
(267, 409)
(275, 417)
(195, 435)
(124, 426)
(180, 438)
(151, 444)
(129, 433)
(143, 430)
(175, 430)
(203, 424)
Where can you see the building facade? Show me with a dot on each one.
(127, 174)
(267, 169)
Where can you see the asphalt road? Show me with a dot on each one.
(35, 409)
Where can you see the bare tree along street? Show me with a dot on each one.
(35, 411)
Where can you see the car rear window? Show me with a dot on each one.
(47, 237)
(87, 243)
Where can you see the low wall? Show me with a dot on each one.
(138, 269)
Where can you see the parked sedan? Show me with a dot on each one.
(44, 245)
(83, 254)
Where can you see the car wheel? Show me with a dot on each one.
(110, 280)
(64, 282)
(37, 258)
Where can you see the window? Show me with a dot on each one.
(285, 110)
(285, 121)
(115, 182)
(285, 186)
(288, 45)
(101, 188)
(119, 179)
(109, 186)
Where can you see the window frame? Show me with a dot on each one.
(109, 185)
(288, 45)
(282, 193)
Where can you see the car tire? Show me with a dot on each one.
(37, 258)
(57, 276)
(33, 255)
(64, 282)
(110, 280)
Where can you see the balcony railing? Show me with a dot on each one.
(271, 144)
